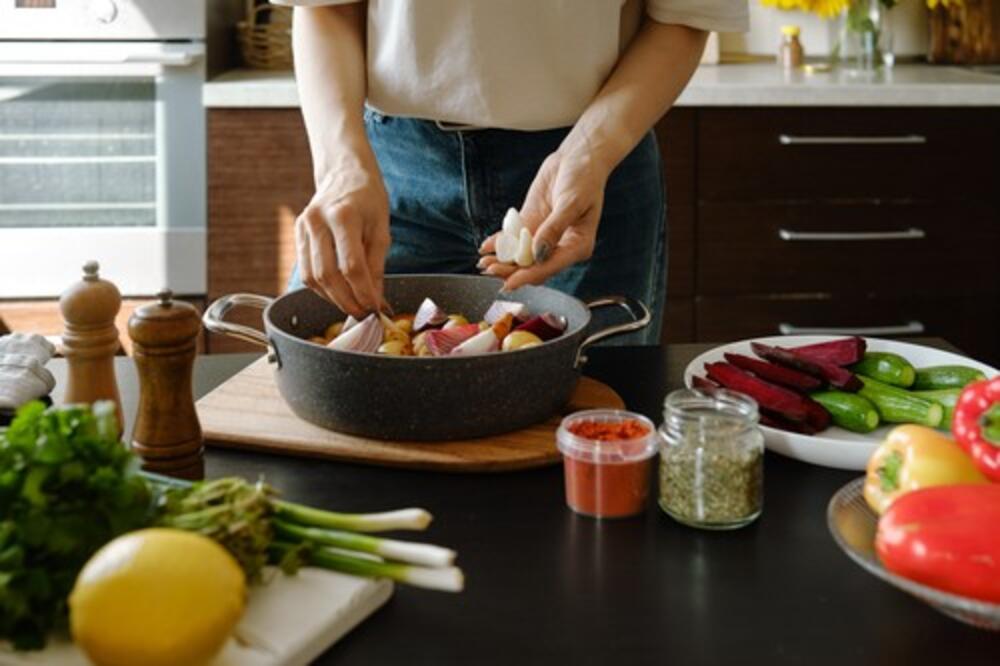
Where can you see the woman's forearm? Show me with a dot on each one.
(329, 45)
(644, 84)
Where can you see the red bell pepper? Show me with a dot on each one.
(947, 537)
(976, 425)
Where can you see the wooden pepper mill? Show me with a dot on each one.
(90, 339)
(167, 434)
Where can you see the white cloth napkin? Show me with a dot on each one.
(23, 376)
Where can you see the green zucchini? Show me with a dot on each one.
(945, 376)
(895, 405)
(850, 411)
(887, 368)
(947, 398)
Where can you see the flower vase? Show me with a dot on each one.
(866, 36)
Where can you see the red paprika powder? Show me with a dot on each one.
(607, 458)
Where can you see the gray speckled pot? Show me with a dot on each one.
(422, 398)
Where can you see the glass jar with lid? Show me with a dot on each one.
(711, 459)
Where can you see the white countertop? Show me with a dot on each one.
(751, 84)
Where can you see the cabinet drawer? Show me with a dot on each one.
(855, 248)
(966, 321)
(826, 153)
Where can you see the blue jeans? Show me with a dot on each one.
(449, 190)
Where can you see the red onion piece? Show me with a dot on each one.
(546, 326)
(481, 343)
(364, 337)
(428, 314)
(442, 342)
(499, 308)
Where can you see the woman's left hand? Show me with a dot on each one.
(562, 210)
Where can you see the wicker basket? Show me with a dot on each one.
(265, 36)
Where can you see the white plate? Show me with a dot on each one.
(834, 447)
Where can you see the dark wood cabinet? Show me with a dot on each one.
(808, 217)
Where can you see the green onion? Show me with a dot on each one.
(402, 551)
(403, 519)
(447, 579)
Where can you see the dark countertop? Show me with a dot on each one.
(547, 586)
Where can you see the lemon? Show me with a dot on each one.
(156, 597)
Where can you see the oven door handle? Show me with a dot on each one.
(16, 57)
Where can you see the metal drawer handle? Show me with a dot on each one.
(906, 139)
(909, 328)
(912, 233)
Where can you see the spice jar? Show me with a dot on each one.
(790, 52)
(607, 458)
(711, 458)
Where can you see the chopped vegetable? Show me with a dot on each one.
(913, 457)
(777, 374)
(850, 411)
(895, 405)
(838, 377)
(546, 326)
(520, 340)
(780, 400)
(887, 368)
(442, 342)
(976, 425)
(499, 308)
(364, 337)
(844, 351)
(945, 537)
(428, 315)
(945, 376)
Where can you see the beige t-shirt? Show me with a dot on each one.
(518, 64)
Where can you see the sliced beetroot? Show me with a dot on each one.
(441, 342)
(499, 308)
(777, 374)
(699, 382)
(546, 326)
(838, 377)
(775, 420)
(845, 351)
(778, 399)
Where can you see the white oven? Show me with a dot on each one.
(102, 144)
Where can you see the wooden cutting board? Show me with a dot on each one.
(248, 412)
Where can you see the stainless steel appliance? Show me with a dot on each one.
(102, 144)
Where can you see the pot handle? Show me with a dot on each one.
(215, 317)
(637, 310)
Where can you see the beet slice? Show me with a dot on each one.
(838, 377)
(777, 374)
(699, 382)
(845, 351)
(785, 402)
(775, 420)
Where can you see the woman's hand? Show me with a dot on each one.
(342, 237)
(562, 210)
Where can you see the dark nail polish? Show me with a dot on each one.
(542, 251)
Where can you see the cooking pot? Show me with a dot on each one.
(423, 398)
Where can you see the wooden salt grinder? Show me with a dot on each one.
(90, 339)
(167, 433)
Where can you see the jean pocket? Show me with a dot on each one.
(373, 116)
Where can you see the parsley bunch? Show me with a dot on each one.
(67, 487)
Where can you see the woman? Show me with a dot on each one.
(476, 106)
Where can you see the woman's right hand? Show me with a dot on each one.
(342, 237)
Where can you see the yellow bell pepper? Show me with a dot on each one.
(913, 457)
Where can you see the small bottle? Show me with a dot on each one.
(711, 459)
(790, 53)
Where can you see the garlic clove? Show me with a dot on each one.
(525, 255)
(507, 247)
(512, 223)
